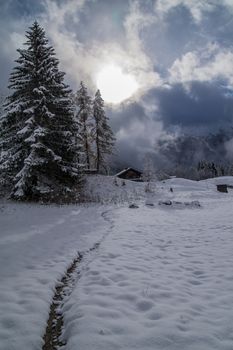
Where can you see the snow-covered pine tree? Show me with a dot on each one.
(38, 129)
(103, 134)
(2, 153)
(83, 119)
(2, 99)
(80, 158)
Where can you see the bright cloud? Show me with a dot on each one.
(197, 8)
(115, 86)
(84, 61)
(210, 63)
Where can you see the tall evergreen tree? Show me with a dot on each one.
(38, 129)
(2, 99)
(104, 137)
(83, 119)
(78, 137)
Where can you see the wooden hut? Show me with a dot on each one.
(130, 174)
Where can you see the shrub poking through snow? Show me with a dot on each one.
(133, 206)
(181, 205)
(115, 181)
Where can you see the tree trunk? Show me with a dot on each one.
(86, 146)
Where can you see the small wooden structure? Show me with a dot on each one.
(222, 188)
(130, 174)
(90, 171)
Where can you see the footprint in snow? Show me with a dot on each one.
(145, 305)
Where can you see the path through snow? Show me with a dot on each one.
(161, 280)
(37, 245)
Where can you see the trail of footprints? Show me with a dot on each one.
(53, 335)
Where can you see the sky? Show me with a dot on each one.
(179, 53)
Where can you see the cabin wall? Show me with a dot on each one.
(130, 175)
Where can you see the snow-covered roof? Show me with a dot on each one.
(127, 169)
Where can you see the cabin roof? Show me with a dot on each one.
(124, 171)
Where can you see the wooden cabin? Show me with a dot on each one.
(90, 171)
(130, 174)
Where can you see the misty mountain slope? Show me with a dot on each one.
(161, 277)
(188, 150)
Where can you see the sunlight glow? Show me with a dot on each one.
(114, 85)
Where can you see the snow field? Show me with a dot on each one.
(162, 279)
(37, 244)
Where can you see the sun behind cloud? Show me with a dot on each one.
(116, 86)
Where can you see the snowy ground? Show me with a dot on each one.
(112, 190)
(37, 243)
(160, 279)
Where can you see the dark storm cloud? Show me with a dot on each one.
(126, 115)
(204, 105)
(168, 42)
